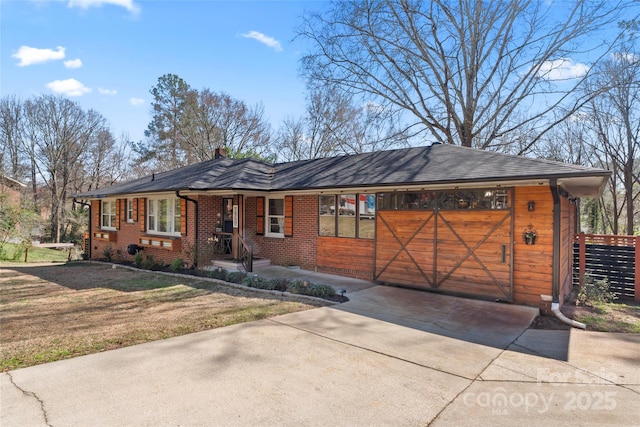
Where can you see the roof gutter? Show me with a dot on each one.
(195, 204)
(555, 277)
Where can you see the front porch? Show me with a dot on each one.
(230, 251)
(229, 263)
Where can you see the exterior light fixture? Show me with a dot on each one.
(531, 206)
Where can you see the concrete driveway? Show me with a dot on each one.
(390, 356)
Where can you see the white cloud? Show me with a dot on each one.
(136, 102)
(69, 87)
(562, 69)
(110, 92)
(579, 116)
(86, 4)
(73, 63)
(372, 108)
(266, 40)
(32, 55)
(628, 57)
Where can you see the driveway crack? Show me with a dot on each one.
(371, 350)
(32, 395)
(477, 378)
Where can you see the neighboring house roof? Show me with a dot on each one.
(9, 182)
(438, 164)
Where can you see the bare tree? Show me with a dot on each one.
(322, 129)
(188, 125)
(58, 135)
(109, 162)
(293, 142)
(216, 120)
(467, 72)
(333, 125)
(11, 118)
(569, 142)
(615, 120)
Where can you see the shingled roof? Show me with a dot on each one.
(215, 174)
(437, 164)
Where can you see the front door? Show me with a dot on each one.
(226, 239)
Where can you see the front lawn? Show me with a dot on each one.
(613, 316)
(607, 317)
(55, 312)
(14, 252)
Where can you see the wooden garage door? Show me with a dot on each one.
(455, 251)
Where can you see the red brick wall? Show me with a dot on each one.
(208, 209)
(129, 232)
(301, 249)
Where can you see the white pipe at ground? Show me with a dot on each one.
(555, 309)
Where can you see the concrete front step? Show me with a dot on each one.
(234, 265)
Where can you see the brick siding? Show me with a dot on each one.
(301, 248)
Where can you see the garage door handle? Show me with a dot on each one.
(504, 254)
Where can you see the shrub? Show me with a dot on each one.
(595, 291)
(109, 252)
(280, 284)
(219, 273)
(322, 291)
(236, 277)
(258, 282)
(298, 287)
(315, 290)
(19, 252)
(189, 252)
(177, 264)
(138, 259)
(150, 264)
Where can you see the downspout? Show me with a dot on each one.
(195, 203)
(90, 234)
(555, 277)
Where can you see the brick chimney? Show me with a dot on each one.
(220, 153)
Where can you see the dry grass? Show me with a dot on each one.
(53, 312)
(610, 317)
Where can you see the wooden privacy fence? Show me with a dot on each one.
(616, 258)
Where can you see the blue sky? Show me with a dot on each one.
(107, 54)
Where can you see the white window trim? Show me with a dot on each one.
(268, 232)
(170, 215)
(129, 210)
(112, 204)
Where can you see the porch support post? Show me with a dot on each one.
(237, 234)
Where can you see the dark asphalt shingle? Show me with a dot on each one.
(436, 164)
